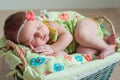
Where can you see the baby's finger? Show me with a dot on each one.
(39, 50)
(40, 47)
(44, 53)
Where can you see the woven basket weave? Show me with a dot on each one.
(103, 74)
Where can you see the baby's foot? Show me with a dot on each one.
(106, 52)
(111, 39)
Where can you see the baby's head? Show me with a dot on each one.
(25, 28)
(12, 25)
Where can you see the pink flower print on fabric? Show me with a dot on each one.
(76, 16)
(69, 58)
(42, 16)
(46, 72)
(64, 16)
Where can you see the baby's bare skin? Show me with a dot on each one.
(86, 35)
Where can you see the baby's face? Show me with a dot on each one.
(34, 33)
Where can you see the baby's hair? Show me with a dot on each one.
(12, 25)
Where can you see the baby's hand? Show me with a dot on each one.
(44, 49)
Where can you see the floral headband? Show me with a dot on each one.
(29, 16)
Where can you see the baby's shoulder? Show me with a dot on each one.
(53, 24)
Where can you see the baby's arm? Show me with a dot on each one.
(48, 50)
(64, 37)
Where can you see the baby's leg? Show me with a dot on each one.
(86, 35)
(86, 50)
(110, 40)
(106, 52)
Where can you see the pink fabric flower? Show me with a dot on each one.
(64, 16)
(30, 15)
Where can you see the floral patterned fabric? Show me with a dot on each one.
(49, 64)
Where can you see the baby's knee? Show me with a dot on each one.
(81, 35)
